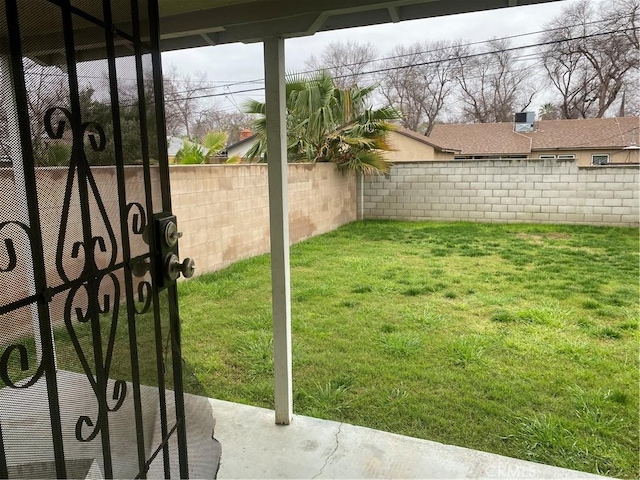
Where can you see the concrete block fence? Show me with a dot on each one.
(223, 210)
(536, 191)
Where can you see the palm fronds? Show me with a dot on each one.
(329, 124)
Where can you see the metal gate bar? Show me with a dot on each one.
(37, 251)
(176, 354)
(124, 228)
(92, 275)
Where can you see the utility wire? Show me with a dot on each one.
(493, 52)
(469, 44)
(375, 60)
(445, 48)
(432, 62)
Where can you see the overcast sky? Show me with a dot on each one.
(242, 62)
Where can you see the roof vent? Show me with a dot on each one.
(523, 121)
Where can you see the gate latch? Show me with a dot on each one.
(168, 266)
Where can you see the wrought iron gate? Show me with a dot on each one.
(89, 333)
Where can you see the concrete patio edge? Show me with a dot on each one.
(254, 447)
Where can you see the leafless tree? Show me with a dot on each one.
(401, 85)
(47, 87)
(418, 79)
(184, 106)
(230, 122)
(592, 56)
(491, 86)
(629, 103)
(346, 62)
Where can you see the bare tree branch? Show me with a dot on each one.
(344, 61)
(182, 107)
(418, 81)
(597, 56)
(491, 87)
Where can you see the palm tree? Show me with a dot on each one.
(549, 111)
(195, 153)
(329, 124)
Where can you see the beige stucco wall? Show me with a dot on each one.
(406, 149)
(439, 156)
(223, 210)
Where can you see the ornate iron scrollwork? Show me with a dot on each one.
(24, 366)
(90, 274)
(10, 266)
(101, 279)
(97, 139)
(10, 247)
(98, 380)
(139, 219)
(86, 276)
(111, 301)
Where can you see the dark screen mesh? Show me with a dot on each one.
(85, 343)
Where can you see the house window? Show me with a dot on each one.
(547, 157)
(567, 157)
(600, 159)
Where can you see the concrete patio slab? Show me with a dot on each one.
(254, 447)
(28, 444)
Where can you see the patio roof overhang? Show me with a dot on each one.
(197, 23)
(192, 23)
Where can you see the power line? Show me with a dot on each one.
(223, 94)
(432, 62)
(469, 44)
(227, 84)
(423, 52)
(435, 50)
(493, 52)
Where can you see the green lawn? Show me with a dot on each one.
(515, 339)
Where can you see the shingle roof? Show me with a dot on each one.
(499, 138)
(422, 138)
(250, 138)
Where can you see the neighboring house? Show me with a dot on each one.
(410, 146)
(240, 148)
(593, 141)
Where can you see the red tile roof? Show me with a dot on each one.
(499, 138)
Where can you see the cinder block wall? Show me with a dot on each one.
(537, 191)
(223, 210)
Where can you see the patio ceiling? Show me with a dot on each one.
(193, 23)
(197, 23)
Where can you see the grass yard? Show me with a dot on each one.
(516, 339)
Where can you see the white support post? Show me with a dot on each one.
(279, 224)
